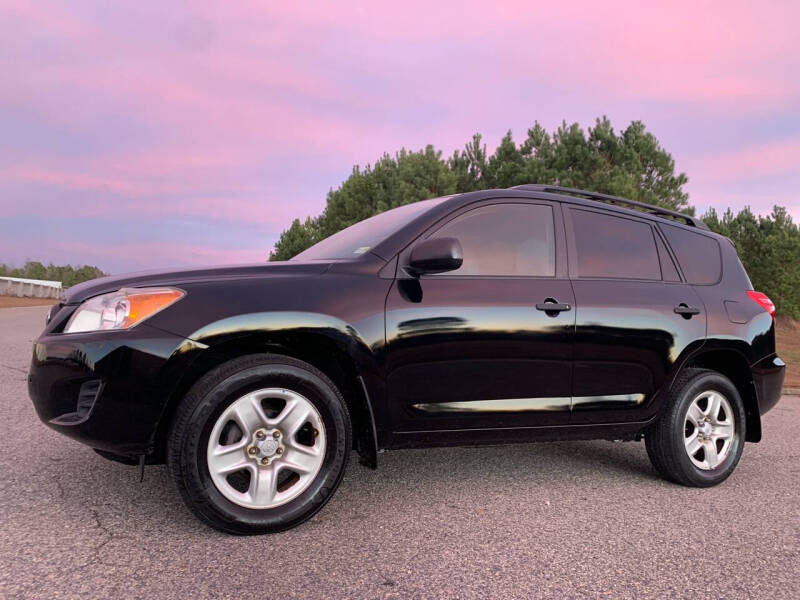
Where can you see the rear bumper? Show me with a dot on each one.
(768, 377)
(108, 389)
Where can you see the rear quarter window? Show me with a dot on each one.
(699, 255)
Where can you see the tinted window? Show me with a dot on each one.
(505, 239)
(668, 270)
(361, 237)
(698, 254)
(609, 246)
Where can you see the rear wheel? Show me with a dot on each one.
(699, 437)
(259, 444)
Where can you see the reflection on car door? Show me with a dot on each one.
(628, 334)
(469, 348)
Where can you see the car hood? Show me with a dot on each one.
(176, 277)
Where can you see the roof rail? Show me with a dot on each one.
(649, 208)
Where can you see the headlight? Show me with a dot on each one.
(122, 309)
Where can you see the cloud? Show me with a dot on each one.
(777, 157)
(249, 112)
(140, 255)
(121, 245)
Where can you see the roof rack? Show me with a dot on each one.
(649, 208)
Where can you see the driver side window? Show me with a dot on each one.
(511, 240)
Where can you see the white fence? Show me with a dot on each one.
(29, 288)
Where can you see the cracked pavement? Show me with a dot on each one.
(581, 519)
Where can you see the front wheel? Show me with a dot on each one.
(698, 439)
(259, 444)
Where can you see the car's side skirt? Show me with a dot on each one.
(515, 435)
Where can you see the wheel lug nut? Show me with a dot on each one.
(265, 461)
(279, 451)
(252, 450)
(276, 434)
(260, 434)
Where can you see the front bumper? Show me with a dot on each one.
(768, 377)
(108, 389)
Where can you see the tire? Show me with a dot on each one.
(684, 452)
(249, 500)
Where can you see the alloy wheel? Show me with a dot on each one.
(266, 448)
(709, 430)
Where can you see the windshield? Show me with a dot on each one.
(365, 235)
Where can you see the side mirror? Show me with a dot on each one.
(435, 255)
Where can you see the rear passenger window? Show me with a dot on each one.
(698, 254)
(505, 240)
(614, 247)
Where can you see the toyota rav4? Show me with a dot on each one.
(533, 313)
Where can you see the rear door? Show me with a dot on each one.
(634, 315)
(469, 348)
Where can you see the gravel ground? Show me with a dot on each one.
(14, 301)
(582, 519)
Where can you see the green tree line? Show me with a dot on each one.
(769, 247)
(66, 274)
(631, 164)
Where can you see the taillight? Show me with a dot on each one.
(763, 301)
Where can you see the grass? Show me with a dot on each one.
(789, 350)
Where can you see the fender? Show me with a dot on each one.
(281, 331)
(691, 349)
(280, 321)
(725, 356)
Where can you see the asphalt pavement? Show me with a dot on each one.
(557, 520)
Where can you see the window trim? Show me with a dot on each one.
(572, 248)
(559, 234)
(670, 254)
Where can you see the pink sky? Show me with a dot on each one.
(144, 134)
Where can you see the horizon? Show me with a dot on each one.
(138, 137)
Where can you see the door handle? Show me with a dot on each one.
(686, 311)
(551, 305)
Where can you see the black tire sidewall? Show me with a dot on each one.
(707, 382)
(212, 506)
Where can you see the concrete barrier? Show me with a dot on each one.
(30, 288)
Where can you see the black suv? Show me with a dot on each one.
(533, 313)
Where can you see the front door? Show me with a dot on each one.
(469, 348)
